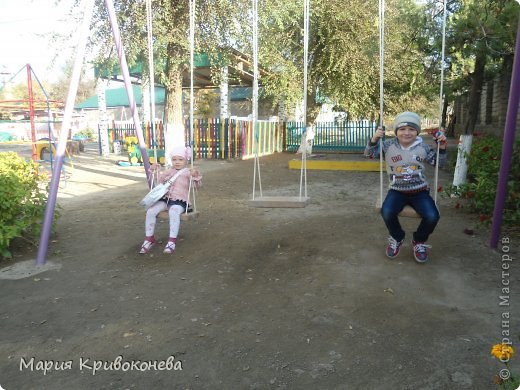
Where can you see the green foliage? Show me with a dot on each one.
(23, 195)
(483, 172)
(58, 90)
(205, 101)
(343, 47)
(5, 116)
(19, 91)
(478, 27)
(87, 133)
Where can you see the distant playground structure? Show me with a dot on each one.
(35, 120)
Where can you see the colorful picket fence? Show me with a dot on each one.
(341, 136)
(222, 139)
(233, 138)
(214, 138)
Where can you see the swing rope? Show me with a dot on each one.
(441, 96)
(191, 190)
(381, 90)
(254, 119)
(306, 17)
(381, 95)
(151, 76)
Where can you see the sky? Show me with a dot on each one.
(26, 27)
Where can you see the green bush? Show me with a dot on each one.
(483, 172)
(87, 133)
(23, 196)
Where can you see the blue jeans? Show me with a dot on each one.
(421, 202)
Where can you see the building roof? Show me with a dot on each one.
(118, 98)
(240, 70)
(240, 79)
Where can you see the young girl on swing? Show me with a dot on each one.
(176, 199)
(405, 156)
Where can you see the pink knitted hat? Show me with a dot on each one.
(182, 151)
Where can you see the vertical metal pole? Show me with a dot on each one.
(507, 145)
(31, 112)
(64, 134)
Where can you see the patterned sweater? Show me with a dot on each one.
(179, 190)
(405, 166)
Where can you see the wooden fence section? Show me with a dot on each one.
(351, 136)
(121, 131)
(234, 138)
(217, 138)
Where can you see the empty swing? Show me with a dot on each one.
(278, 201)
(191, 211)
(407, 211)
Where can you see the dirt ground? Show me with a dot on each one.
(253, 298)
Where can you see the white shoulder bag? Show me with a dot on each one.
(159, 191)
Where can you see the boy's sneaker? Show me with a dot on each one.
(393, 247)
(420, 251)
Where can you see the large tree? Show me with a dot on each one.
(481, 43)
(483, 35)
(343, 62)
(217, 27)
(344, 55)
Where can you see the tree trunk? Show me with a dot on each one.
(444, 113)
(313, 108)
(461, 167)
(103, 118)
(466, 138)
(173, 115)
(475, 92)
(224, 93)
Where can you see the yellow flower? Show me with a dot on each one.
(504, 352)
(131, 141)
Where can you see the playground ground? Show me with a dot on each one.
(254, 298)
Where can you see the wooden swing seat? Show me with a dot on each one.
(279, 201)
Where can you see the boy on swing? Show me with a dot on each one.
(405, 156)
